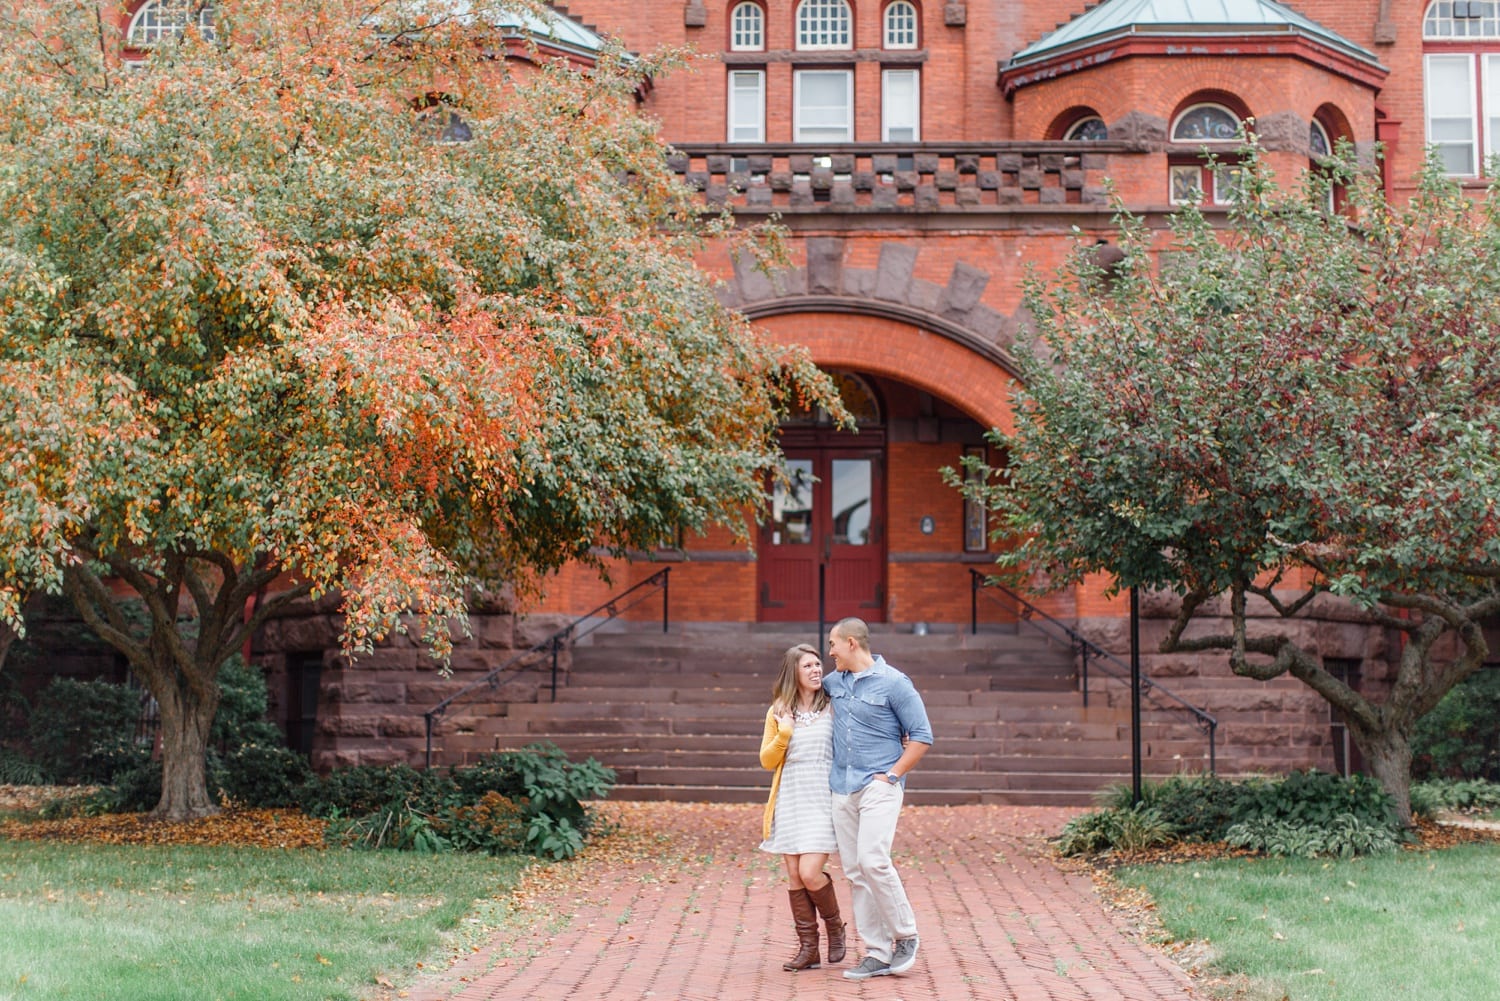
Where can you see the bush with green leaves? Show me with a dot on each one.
(18, 770)
(1439, 796)
(1313, 799)
(260, 775)
(1126, 829)
(1199, 807)
(83, 732)
(1460, 737)
(528, 800)
(1344, 835)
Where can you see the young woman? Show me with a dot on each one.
(798, 825)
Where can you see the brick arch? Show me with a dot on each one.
(927, 320)
(903, 351)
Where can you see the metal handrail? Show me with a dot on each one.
(553, 644)
(1086, 649)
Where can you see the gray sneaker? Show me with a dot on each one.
(867, 968)
(903, 954)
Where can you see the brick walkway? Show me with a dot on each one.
(681, 906)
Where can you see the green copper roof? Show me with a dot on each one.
(553, 27)
(1119, 18)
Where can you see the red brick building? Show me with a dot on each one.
(922, 156)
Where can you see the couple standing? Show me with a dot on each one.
(840, 746)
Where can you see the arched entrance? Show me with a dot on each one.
(827, 527)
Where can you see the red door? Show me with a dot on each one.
(829, 516)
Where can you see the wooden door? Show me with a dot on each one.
(829, 516)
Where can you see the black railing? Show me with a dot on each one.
(553, 645)
(1086, 651)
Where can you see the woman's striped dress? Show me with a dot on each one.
(803, 817)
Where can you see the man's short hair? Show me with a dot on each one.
(856, 630)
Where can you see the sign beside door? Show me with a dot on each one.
(830, 514)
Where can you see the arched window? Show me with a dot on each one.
(1461, 74)
(167, 19)
(900, 25)
(747, 28)
(824, 24)
(1206, 123)
(1318, 143)
(1088, 129)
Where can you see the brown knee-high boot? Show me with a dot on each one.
(827, 903)
(806, 919)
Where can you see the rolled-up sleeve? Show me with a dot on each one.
(911, 712)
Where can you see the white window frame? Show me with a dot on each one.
(1489, 70)
(1435, 27)
(891, 32)
(797, 123)
(1473, 143)
(732, 126)
(886, 106)
(736, 43)
(823, 36)
(1206, 142)
(1071, 135)
(162, 20)
(1322, 130)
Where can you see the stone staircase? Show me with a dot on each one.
(679, 716)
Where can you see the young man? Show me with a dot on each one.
(875, 706)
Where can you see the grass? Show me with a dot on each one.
(86, 922)
(1418, 925)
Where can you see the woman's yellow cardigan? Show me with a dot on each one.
(772, 756)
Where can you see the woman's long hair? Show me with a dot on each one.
(784, 696)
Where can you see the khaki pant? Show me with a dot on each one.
(865, 825)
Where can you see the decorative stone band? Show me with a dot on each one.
(887, 177)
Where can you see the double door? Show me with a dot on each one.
(828, 521)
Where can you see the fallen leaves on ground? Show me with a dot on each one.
(234, 827)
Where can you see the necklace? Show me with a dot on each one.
(805, 716)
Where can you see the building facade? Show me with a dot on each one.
(922, 157)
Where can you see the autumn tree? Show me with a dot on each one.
(1299, 406)
(267, 330)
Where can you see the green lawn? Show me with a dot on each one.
(1418, 925)
(214, 924)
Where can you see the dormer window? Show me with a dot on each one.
(159, 20)
(747, 28)
(824, 24)
(900, 25)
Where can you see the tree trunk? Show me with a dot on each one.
(1388, 755)
(185, 721)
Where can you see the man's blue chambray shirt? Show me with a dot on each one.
(871, 710)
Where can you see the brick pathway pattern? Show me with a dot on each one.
(702, 916)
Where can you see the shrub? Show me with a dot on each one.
(243, 704)
(1460, 737)
(1344, 835)
(526, 800)
(1313, 799)
(1129, 829)
(262, 776)
(18, 770)
(1197, 807)
(1429, 799)
(495, 825)
(84, 731)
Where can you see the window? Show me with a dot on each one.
(1461, 74)
(1090, 129)
(1318, 143)
(1206, 123)
(168, 19)
(901, 25)
(900, 106)
(747, 106)
(823, 24)
(1449, 87)
(747, 28)
(1217, 184)
(824, 106)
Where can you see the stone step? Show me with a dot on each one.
(917, 797)
(924, 781)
